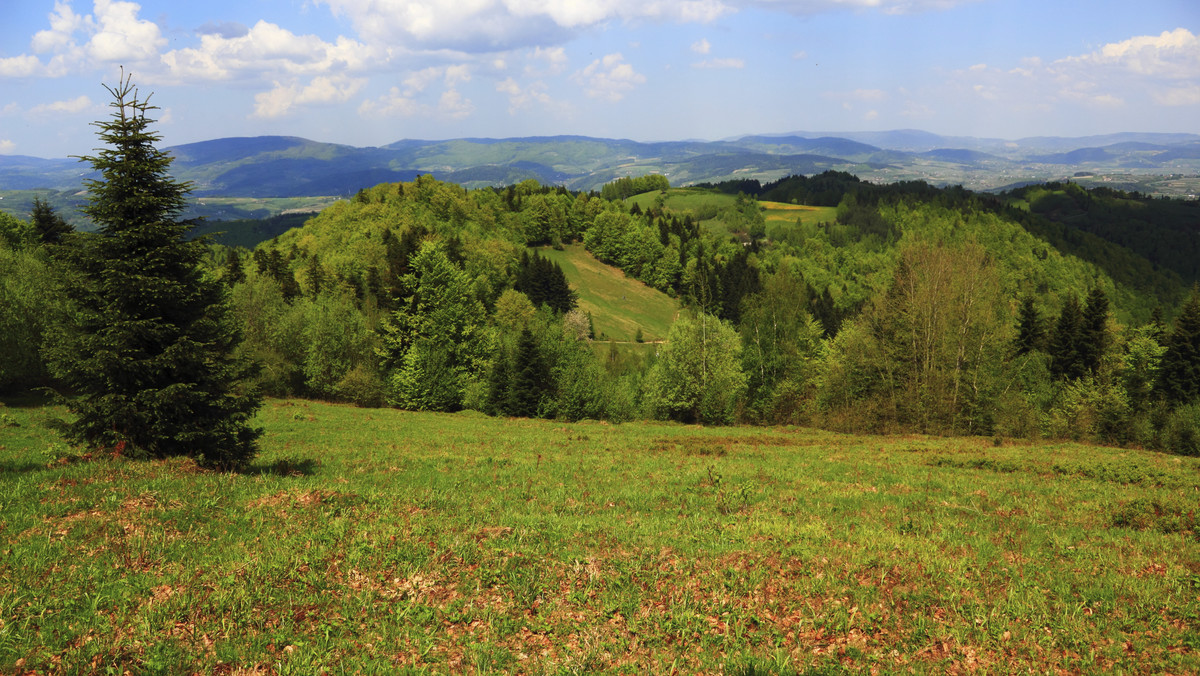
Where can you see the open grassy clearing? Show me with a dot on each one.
(780, 212)
(619, 304)
(379, 540)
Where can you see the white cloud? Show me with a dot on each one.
(701, 47)
(25, 65)
(609, 78)
(64, 23)
(405, 101)
(1171, 55)
(810, 7)
(268, 49)
(1161, 69)
(720, 63)
(523, 97)
(281, 99)
(392, 104)
(454, 105)
(555, 59)
(1188, 95)
(7, 146)
(476, 26)
(857, 95)
(75, 105)
(121, 36)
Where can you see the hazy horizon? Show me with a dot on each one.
(371, 72)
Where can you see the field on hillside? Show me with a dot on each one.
(781, 213)
(382, 540)
(619, 304)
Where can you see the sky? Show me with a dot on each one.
(372, 72)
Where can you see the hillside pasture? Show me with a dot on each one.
(619, 304)
(383, 540)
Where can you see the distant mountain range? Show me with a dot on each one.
(280, 166)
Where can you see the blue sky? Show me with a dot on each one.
(370, 72)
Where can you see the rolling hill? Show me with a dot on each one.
(284, 167)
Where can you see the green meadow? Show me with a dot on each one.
(619, 304)
(383, 541)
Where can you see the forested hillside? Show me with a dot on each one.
(895, 307)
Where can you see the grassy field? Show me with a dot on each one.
(779, 212)
(382, 541)
(619, 304)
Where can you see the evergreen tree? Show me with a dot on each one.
(1093, 334)
(531, 378)
(152, 361)
(48, 226)
(233, 268)
(499, 385)
(1066, 361)
(1179, 371)
(1031, 332)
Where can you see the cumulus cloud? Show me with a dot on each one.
(609, 78)
(75, 105)
(112, 34)
(281, 99)
(720, 63)
(810, 7)
(121, 35)
(553, 58)
(1171, 55)
(702, 46)
(393, 104)
(1160, 68)
(25, 65)
(64, 23)
(406, 101)
(265, 48)
(7, 146)
(476, 26)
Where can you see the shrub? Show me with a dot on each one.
(1181, 435)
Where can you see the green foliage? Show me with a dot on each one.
(1181, 434)
(33, 309)
(782, 342)
(48, 226)
(1066, 350)
(15, 233)
(698, 376)
(935, 343)
(152, 360)
(1179, 374)
(628, 186)
(438, 340)
(1031, 331)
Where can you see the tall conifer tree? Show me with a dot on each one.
(1179, 371)
(152, 362)
(1066, 359)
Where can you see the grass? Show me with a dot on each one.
(780, 212)
(619, 304)
(383, 540)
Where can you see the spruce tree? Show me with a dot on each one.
(1093, 334)
(1031, 332)
(1179, 371)
(151, 362)
(531, 378)
(48, 226)
(1066, 362)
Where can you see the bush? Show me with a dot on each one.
(362, 386)
(1181, 435)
